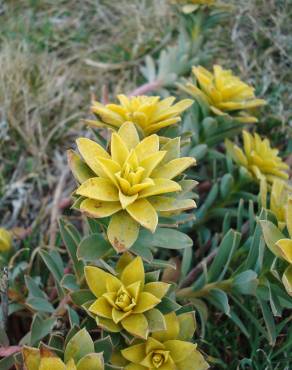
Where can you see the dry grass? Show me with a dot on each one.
(53, 56)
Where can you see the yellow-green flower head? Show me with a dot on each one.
(165, 350)
(258, 157)
(5, 240)
(79, 355)
(225, 93)
(278, 203)
(127, 184)
(148, 113)
(280, 245)
(123, 301)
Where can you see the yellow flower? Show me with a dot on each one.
(278, 199)
(5, 240)
(122, 301)
(225, 93)
(165, 350)
(79, 355)
(280, 245)
(148, 113)
(129, 182)
(258, 157)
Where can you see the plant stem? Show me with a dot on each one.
(145, 88)
(189, 293)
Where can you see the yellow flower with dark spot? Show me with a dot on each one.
(129, 182)
(122, 301)
(5, 240)
(258, 157)
(224, 93)
(165, 350)
(148, 113)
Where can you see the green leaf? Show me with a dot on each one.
(208, 202)
(226, 185)
(199, 151)
(51, 259)
(246, 282)
(40, 328)
(187, 325)
(104, 346)
(167, 305)
(69, 282)
(226, 250)
(33, 288)
(156, 321)
(73, 317)
(82, 296)
(40, 304)
(70, 237)
(165, 238)
(7, 362)
(143, 251)
(269, 321)
(220, 300)
(271, 235)
(186, 262)
(92, 247)
(287, 279)
(79, 346)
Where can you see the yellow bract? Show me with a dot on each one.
(258, 157)
(123, 300)
(79, 355)
(281, 246)
(278, 200)
(225, 93)
(5, 240)
(149, 113)
(165, 350)
(128, 181)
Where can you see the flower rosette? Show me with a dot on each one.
(79, 355)
(132, 184)
(169, 349)
(281, 244)
(149, 113)
(258, 157)
(124, 301)
(224, 93)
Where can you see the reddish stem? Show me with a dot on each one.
(144, 89)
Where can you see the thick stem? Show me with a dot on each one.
(191, 277)
(189, 293)
(146, 88)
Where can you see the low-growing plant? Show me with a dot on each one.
(156, 250)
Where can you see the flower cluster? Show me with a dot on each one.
(128, 183)
(257, 156)
(278, 199)
(79, 355)
(224, 93)
(123, 300)
(281, 245)
(149, 113)
(166, 350)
